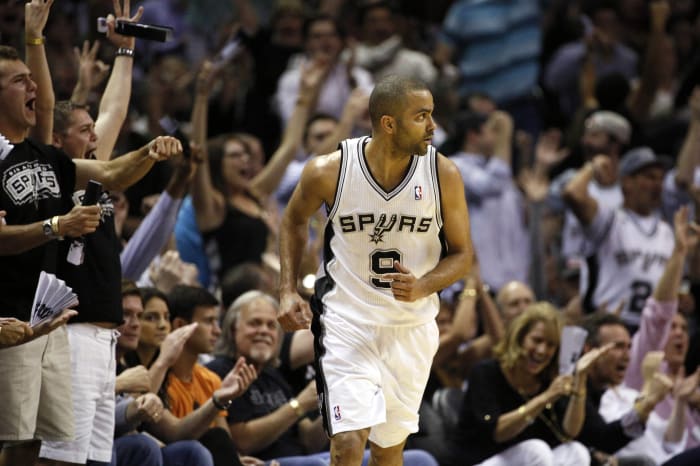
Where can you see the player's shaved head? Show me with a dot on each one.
(388, 95)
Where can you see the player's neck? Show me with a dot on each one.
(387, 165)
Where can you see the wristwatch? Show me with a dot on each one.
(48, 230)
(222, 406)
(296, 406)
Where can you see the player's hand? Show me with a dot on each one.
(294, 312)
(404, 285)
(81, 220)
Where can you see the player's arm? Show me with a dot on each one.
(316, 186)
(458, 261)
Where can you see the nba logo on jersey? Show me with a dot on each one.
(418, 192)
(336, 412)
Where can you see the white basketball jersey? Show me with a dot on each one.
(369, 228)
(628, 263)
(573, 237)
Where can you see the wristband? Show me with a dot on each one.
(54, 226)
(296, 406)
(34, 40)
(125, 52)
(221, 406)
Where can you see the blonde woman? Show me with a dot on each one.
(517, 409)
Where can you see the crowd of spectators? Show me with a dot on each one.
(575, 126)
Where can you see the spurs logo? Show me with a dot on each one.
(30, 181)
(380, 227)
(105, 202)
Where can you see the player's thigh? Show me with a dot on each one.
(349, 377)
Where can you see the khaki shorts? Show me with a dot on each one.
(36, 390)
(93, 376)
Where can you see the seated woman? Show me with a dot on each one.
(155, 326)
(517, 410)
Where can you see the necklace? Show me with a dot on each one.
(551, 423)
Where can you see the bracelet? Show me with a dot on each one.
(125, 52)
(221, 406)
(296, 406)
(523, 412)
(34, 40)
(468, 292)
(54, 226)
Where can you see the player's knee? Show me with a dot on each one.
(347, 448)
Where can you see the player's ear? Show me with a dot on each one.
(388, 124)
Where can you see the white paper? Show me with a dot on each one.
(75, 252)
(572, 340)
(52, 296)
(5, 147)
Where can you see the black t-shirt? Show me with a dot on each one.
(36, 183)
(264, 396)
(97, 281)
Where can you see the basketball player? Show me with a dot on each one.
(397, 233)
